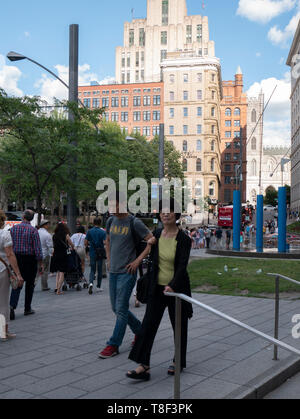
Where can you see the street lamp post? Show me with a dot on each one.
(73, 97)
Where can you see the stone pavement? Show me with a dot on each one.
(55, 353)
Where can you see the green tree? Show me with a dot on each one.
(271, 197)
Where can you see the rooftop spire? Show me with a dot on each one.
(239, 70)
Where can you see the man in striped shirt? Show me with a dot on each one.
(28, 251)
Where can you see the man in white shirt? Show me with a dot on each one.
(47, 248)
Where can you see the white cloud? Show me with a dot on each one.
(263, 11)
(52, 88)
(9, 78)
(277, 118)
(27, 34)
(281, 37)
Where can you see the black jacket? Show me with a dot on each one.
(180, 282)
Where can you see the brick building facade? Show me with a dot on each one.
(234, 108)
(137, 108)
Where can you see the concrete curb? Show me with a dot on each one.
(293, 256)
(269, 381)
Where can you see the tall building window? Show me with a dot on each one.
(172, 78)
(131, 37)
(164, 38)
(228, 112)
(228, 134)
(123, 77)
(199, 94)
(254, 168)
(228, 123)
(142, 37)
(211, 189)
(213, 112)
(123, 59)
(165, 12)
(198, 189)
(185, 130)
(185, 112)
(199, 129)
(212, 145)
(199, 33)
(185, 78)
(253, 144)
(105, 102)
(137, 116)
(185, 165)
(156, 115)
(142, 58)
(199, 77)
(199, 145)
(199, 165)
(189, 34)
(124, 116)
(156, 100)
(185, 95)
(137, 59)
(136, 100)
(171, 129)
(137, 75)
(147, 116)
(155, 130)
(147, 131)
(96, 103)
(147, 100)
(172, 113)
(115, 116)
(184, 146)
(199, 111)
(128, 76)
(172, 96)
(253, 116)
(124, 101)
(237, 123)
(212, 165)
(87, 103)
(163, 54)
(237, 112)
(128, 59)
(114, 102)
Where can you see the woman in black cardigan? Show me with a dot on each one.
(170, 256)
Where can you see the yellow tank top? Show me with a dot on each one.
(167, 252)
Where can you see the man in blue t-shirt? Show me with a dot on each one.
(95, 240)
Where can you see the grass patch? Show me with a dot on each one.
(242, 277)
(294, 228)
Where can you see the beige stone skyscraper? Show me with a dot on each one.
(175, 48)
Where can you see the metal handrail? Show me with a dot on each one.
(218, 313)
(277, 302)
(285, 277)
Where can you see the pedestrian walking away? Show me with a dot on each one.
(7, 257)
(28, 250)
(95, 239)
(170, 256)
(62, 248)
(123, 230)
(78, 240)
(219, 235)
(47, 249)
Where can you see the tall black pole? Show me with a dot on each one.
(161, 160)
(73, 97)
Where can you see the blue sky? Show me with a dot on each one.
(255, 34)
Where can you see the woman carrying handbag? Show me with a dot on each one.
(170, 256)
(7, 277)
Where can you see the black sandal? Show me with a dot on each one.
(145, 375)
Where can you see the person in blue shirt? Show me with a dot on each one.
(95, 240)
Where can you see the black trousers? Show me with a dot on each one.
(141, 352)
(28, 268)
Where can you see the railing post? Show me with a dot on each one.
(276, 333)
(177, 349)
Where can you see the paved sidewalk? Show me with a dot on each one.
(55, 353)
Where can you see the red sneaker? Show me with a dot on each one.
(109, 352)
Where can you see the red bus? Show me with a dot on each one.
(225, 218)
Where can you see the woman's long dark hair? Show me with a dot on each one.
(61, 231)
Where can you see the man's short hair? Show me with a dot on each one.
(97, 221)
(28, 215)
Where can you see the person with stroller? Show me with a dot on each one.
(170, 256)
(62, 244)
